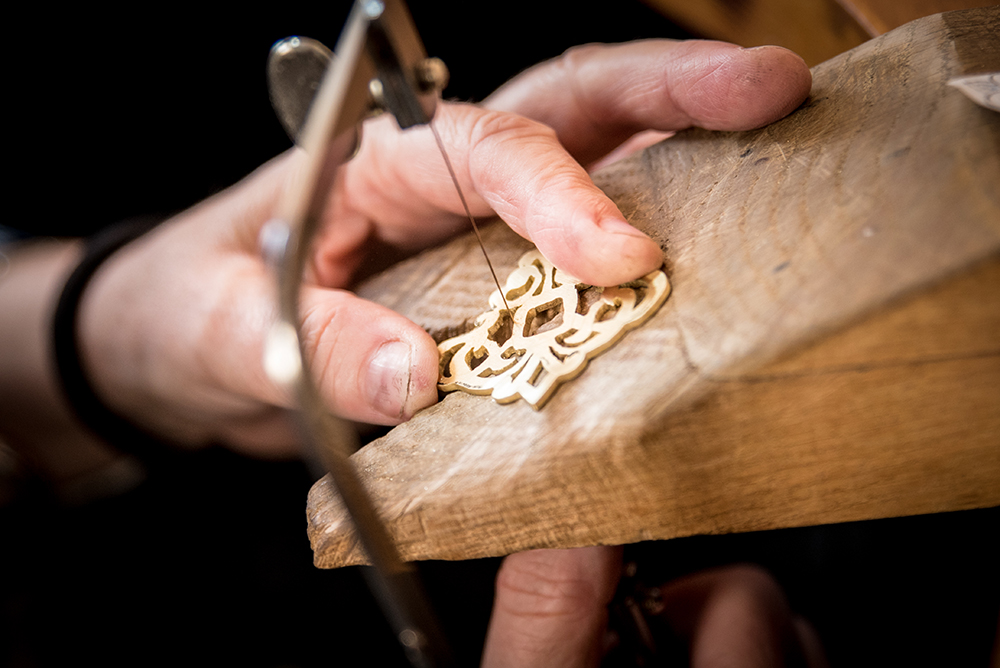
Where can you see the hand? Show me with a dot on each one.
(173, 325)
(550, 610)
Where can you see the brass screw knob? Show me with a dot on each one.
(432, 75)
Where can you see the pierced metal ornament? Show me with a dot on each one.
(554, 325)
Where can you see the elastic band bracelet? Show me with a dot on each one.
(77, 388)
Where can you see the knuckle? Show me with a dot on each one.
(321, 325)
(494, 128)
(544, 592)
(575, 56)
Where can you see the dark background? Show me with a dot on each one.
(113, 115)
(116, 116)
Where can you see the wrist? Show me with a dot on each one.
(77, 375)
(34, 419)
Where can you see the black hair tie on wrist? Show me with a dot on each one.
(77, 388)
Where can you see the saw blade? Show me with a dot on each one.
(465, 205)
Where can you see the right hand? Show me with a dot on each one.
(550, 612)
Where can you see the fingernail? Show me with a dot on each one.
(618, 226)
(389, 378)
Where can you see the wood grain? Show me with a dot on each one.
(830, 352)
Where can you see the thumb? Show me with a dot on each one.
(369, 363)
(551, 608)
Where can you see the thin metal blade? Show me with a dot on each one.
(465, 205)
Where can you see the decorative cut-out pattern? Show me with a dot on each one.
(554, 325)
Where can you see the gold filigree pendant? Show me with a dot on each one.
(554, 326)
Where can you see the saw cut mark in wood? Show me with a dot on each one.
(554, 326)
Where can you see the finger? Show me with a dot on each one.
(737, 616)
(809, 643)
(510, 165)
(597, 96)
(371, 364)
(743, 624)
(551, 608)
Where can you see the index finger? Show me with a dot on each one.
(506, 164)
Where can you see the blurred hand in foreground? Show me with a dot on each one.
(551, 611)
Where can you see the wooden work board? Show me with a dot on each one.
(830, 351)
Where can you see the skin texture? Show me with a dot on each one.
(173, 325)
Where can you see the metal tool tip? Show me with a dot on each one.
(373, 8)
